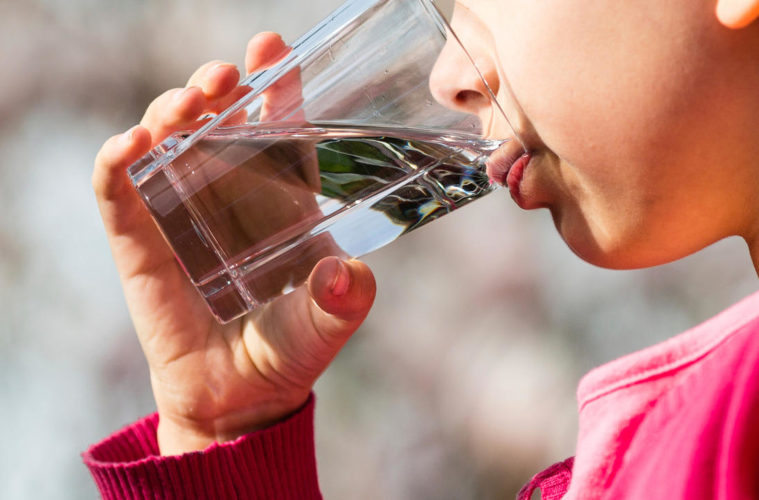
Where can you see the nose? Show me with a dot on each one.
(457, 84)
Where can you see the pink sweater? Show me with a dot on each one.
(677, 420)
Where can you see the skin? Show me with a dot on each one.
(641, 120)
(632, 113)
(211, 382)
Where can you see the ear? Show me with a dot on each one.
(737, 14)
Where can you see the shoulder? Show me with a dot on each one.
(700, 438)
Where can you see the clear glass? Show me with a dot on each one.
(339, 149)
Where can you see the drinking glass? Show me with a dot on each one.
(337, 149)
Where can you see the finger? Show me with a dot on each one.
(238, 118)
(309, 326)
(154, 285)
(342, 293)
(216, 79)
(174, 110)
(264, 50)
(222, 103)
(283, 100)
(109, 179)
(125, 219)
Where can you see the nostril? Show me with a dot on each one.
(469, 98)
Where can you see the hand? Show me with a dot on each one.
(215, 382)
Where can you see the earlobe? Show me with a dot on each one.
(737, 14)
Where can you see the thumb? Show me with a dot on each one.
(342, 294)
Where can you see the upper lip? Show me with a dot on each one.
(501, 161)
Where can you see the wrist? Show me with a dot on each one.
(177, 434)
(174, 439)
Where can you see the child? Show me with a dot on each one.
(641, 123)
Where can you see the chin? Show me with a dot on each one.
(607, 259)
(613, 250)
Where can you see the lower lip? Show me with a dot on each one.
(515, 176)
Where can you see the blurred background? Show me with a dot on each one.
(460, 384)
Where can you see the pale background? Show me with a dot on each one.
(461, 383)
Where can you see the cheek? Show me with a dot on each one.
(601, 81)
(620, 100)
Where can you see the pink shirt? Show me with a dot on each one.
(676, 420)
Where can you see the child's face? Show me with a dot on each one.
(640, 137)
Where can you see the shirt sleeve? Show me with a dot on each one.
(277, 462)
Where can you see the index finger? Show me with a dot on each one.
(283, 100)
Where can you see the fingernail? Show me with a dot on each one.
(342, 280)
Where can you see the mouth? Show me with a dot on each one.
(506, 167)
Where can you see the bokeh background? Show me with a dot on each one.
(460, 384)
